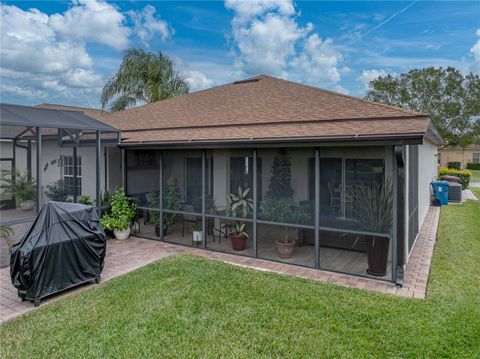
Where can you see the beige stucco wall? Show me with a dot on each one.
(51, 166)
(427, 172)
(463, 155)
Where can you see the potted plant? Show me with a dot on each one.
(5, 236)
(373, 209)
(197, 233)
(238, 237)
(279, 205)
(122, 214)
(283, 209)
(239, 206)
(57, 191)
(86, 200)
(21, 187)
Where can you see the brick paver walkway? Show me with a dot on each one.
(122, 257)
(125, 256)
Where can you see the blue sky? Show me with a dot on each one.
(63, 52)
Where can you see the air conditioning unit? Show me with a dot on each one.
(454, 192)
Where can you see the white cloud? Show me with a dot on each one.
(245, 10)
(147, 25)
(92, 21)
(341, 89)
(475, 50)
(318, 60)
(370, 75)
(22, 92)
(433, 47)
(266, 44)
(268, 39)
(197, 80)
(32, 52)
(48, 53)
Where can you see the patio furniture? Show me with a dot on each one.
(64, 247)
(224, 228)
(335, 238)
(188, 218)
(335, 197)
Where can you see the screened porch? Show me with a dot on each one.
(311, 197)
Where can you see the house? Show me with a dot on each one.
(464, 155)
(183, 157)
(305, 162)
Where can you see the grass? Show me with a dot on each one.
(186, 306)
(475, 176)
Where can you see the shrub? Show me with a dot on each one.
(57, 191)
(463, 175)
(23, 188)
(87, 200)
(122, 214)
(473, 166)
(454, 165)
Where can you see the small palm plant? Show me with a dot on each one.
(239, 205)
(21, 187)
(373, 208)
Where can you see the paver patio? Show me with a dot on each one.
(125, 256)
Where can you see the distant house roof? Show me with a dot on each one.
(92, 112)
(15, 118)
(265, 108)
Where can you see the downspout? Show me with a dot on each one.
(399, 217)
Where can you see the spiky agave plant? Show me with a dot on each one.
(239, 205)
(373, 206)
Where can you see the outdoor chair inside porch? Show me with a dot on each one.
(188, 218)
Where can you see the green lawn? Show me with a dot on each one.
(186, 306)
(475, 176)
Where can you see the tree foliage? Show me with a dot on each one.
(450, 98)
(141, 78)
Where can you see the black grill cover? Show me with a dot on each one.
(64, 247)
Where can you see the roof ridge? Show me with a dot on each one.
(59, 104)
(348, 96)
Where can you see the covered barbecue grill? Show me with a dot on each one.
(65, 247)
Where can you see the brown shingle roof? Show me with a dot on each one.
(92, 112)
(263, 107)
(301, 130)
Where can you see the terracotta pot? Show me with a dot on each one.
(285, 249)
(377, 255)
(238, 242)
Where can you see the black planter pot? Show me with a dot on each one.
(377, 255)
(157, 231)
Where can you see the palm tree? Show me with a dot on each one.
(142, 77)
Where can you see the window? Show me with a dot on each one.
(333, 200)
(68, 174)
(476, 157)
(241, 174)
(361, 172)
